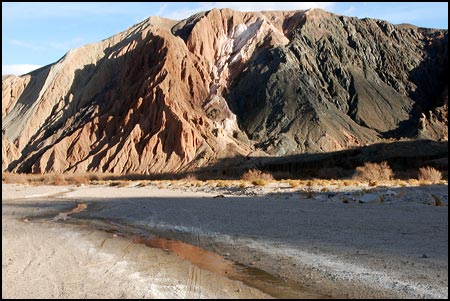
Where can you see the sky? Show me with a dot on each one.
(38, 34)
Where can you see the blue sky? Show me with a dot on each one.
(37, 34)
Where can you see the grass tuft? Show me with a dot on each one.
(429, 174)
(374, 172)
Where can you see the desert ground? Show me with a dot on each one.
(218, 239)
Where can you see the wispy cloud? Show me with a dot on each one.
(349, 11)
(161, 10)
(183, 13)
(63, 45)
(18, 69)
(67, 45)
(25, 45)
(21, 44)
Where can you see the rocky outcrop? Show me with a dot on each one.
(341, 82)
(168, 96)
(131, 103)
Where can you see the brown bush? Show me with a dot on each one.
(78, 179)
(14, 178)
(259, 182)
(190, 178)
(294, 183)
(254, 174)
(373, 172)
(429, 174)
(56, 179)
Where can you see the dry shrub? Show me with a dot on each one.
(93, 177)
(294, 183)
(347, 183)
(190, 178)
(373, 171)
(259, 182)
(429, 174)
(413, 182)
(373, 183)
(14, 178)
(221, 184)
(121, 183)
(254, 174)
(77, 179)
(55, 179)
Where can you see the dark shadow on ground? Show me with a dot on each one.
(327, 220)
(404, 157)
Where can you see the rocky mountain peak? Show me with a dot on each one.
(165, 95)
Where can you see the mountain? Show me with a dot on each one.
(170, 96)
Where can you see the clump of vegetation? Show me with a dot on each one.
(254, 174)
(221, 184)
(347, 183)
(119, 183)
(77, 179)
(58, 180)
(242, 185)
(51, 178)
(190, 178)
(13, 178)
(413, 182)
(345, 200)
(260, 182)
(429, 174)
(373, 183)
(373, 172)
(294, 183)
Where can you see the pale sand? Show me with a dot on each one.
(363, 248)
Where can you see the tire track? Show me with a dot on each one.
(194, 281)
